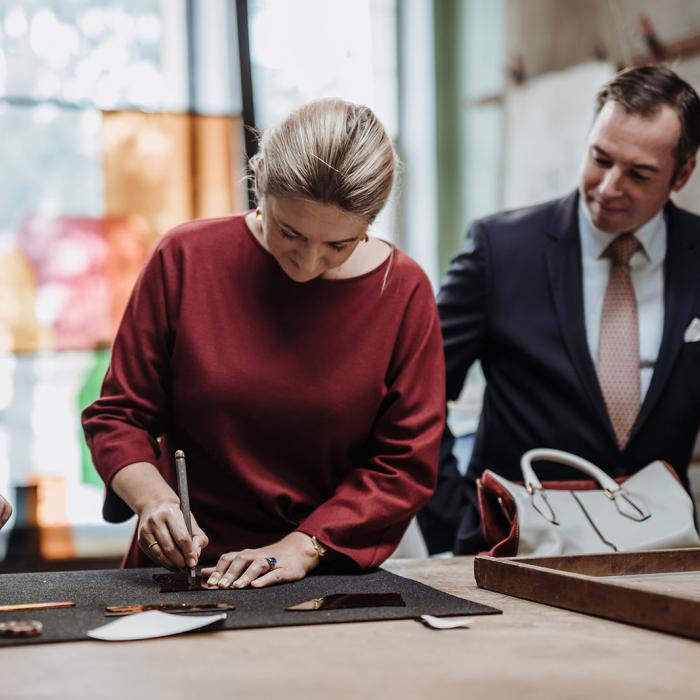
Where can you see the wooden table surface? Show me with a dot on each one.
(531, 651)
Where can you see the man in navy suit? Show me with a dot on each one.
(531, 296)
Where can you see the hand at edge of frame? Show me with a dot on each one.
(5, 511)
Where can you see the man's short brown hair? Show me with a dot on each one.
(645, 90)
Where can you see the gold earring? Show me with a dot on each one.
(258, 214)
(364, 238)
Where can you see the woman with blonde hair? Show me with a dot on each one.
(295, 359)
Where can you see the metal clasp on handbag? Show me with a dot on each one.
(537, 491)
(637, 513)
(623, 503)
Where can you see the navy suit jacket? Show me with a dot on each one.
(513, 299)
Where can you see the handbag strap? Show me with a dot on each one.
(606, 482)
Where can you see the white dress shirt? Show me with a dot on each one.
(647, 272)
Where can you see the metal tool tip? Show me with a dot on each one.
(179, 454)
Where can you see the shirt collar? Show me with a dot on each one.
(594, 242)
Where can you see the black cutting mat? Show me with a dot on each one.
(92, 591)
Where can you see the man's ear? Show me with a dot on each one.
(685, 172)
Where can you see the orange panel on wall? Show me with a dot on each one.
(170, 168)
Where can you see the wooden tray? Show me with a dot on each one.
(658, 589)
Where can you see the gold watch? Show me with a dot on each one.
(321, 550)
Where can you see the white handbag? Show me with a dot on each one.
(649, 510)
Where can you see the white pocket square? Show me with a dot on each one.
(692, 332)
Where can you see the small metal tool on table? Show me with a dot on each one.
(175, 608)
(184, 494)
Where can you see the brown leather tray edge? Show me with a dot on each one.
(577, 583)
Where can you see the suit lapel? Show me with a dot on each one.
(680, 288)
(563, 252)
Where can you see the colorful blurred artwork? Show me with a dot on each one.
(64, 283)
(101, 154)
(80, 272)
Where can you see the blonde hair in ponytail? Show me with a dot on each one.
(328, 151)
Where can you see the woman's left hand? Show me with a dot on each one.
(289, 559)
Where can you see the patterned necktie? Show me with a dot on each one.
(618, 345)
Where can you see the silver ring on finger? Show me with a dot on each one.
(271, 562)
(150, 546)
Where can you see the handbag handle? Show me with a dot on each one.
(606, 482)
(624, 504)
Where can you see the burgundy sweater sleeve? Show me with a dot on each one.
(123, 425)
(372, 507)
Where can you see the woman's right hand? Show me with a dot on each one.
(163, 536)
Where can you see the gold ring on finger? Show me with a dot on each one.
(150, 546)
